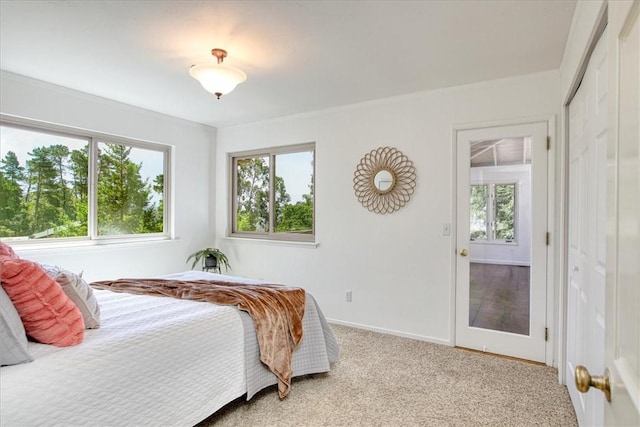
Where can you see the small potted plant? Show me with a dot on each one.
(212, 258)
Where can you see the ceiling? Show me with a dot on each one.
(299, 56)
(501, 152)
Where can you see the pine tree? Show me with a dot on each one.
(79, 170)
(153, 221)
(122, 194)
(41, 175)
(12, 209)
(59, 155)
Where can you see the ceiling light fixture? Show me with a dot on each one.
(219, 79)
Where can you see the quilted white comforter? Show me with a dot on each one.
(154, 361)
(160, 348)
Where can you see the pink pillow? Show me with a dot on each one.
(6, 250)
(48, 315)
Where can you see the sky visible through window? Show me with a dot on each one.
(23, 141)
(296, 170)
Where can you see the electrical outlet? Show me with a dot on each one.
(347, 295)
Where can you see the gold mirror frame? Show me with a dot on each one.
(403, 183)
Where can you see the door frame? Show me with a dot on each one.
(552, 290)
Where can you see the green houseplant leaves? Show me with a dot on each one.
(203, 254)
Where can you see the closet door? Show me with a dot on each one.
(587, 232)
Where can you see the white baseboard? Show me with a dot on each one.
(392, 332)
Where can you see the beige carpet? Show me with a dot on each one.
(383, 380)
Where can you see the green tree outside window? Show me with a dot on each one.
(44, 186)
(274, 193)
(493, 212)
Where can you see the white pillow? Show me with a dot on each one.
(13, 339)
(78, 291)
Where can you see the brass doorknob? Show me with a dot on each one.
(464, 252)
(584, 380)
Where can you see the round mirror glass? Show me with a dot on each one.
(383, 180)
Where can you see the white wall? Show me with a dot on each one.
(398, 266)
(519, 252)
(193, 200)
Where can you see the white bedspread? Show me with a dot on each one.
(160, 348)
(316, 353)
(154, 362)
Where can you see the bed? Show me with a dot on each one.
(154, 361)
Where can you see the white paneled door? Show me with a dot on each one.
(603, 313)
(587, 232)
(623, 238)
(501, 250)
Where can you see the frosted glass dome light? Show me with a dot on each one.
(219, 79)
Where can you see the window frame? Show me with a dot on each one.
(491, 213)
(271, 153)
(93, 139)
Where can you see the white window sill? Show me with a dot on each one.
(85, 244)
(291, 243)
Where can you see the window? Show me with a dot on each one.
(493, 212)
(57, 183)
(273, 193)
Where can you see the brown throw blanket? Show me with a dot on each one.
(277, 312)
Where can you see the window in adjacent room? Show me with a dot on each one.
(493, 212)
(273, 193)
(61, 183)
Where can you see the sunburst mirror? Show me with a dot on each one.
(384, 180)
